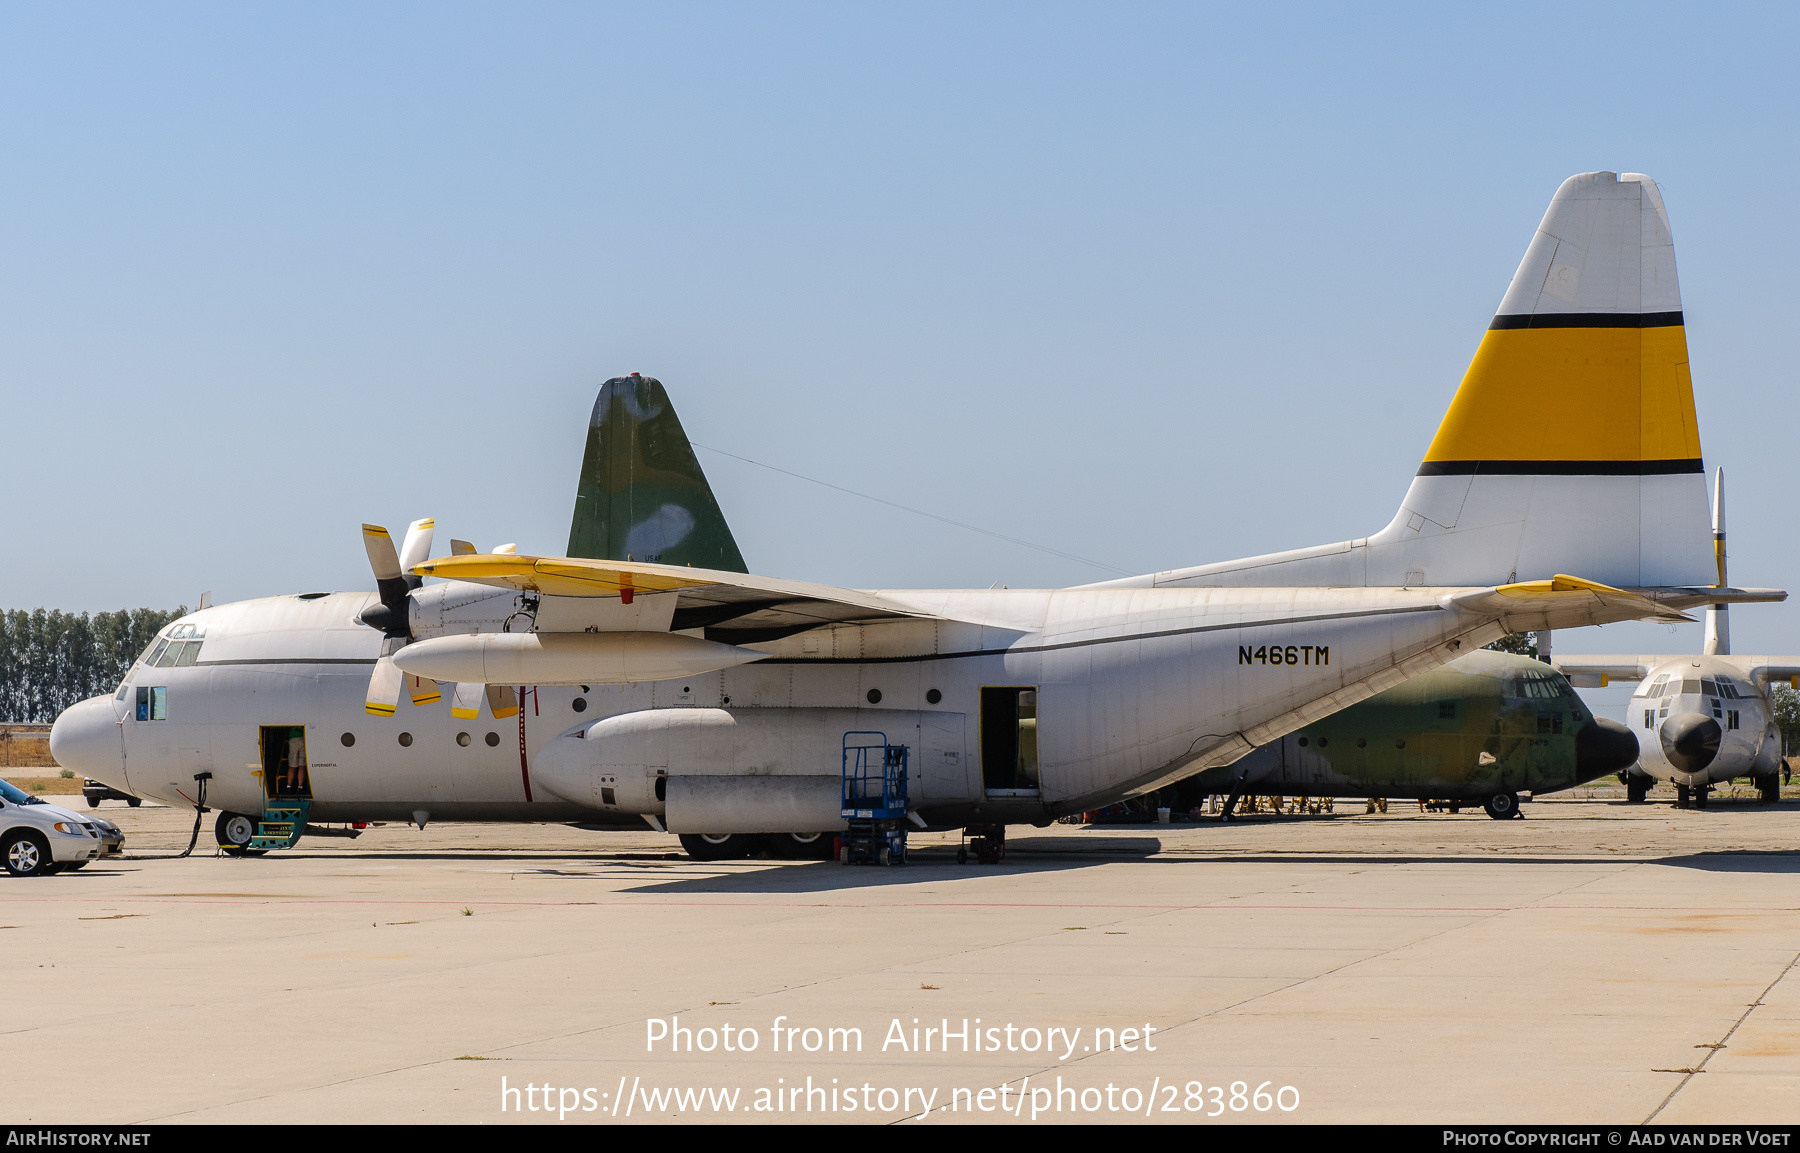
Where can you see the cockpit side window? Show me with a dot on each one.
(1537, 686)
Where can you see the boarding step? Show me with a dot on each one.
(281, 825)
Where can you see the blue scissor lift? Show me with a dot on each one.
(874, 798)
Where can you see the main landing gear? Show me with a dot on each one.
(1502, 806)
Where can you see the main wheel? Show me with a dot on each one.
(1700, 793)
(1502, 806)
(801, 846)
(1681, 796)
(134, 802)
(1771, 788)
(234, 831)
(717, 846)
(93, 802)
(27, 854)
(1637, 788)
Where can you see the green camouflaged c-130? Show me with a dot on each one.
(1484, 728)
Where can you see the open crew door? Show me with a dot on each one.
(1009, 753)
(284, 762)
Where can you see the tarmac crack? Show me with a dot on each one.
(1713, 1049)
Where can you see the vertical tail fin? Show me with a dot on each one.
(1718, 620)
(1571, 445)
(642, 494)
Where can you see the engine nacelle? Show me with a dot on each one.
(568, 658)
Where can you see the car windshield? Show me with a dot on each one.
(16, 795)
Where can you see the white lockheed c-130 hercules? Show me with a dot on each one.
(1704, 719)
(713, 703)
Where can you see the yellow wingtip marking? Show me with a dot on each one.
(376, 710)
(374, 530)
(464, 714)
(502, 714)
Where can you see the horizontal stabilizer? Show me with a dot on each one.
(1561, 602)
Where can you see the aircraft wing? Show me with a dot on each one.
(1588, 672)
(1594, 672)
(1768, 670)
(735, 608)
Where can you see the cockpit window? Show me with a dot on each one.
(1538, 686)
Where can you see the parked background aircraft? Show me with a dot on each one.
(714, 703)
(1482, 729)
(1704, 719)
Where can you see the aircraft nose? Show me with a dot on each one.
(1690, 741)
(1603, 747)
(85, 738)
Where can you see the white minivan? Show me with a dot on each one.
(37, 838)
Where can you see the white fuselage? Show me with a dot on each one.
(1720, 689)
(1133, 688)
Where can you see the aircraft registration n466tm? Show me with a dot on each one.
(716, 704)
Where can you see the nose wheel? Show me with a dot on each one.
(234, 832)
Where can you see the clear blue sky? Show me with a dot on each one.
(1156, 285)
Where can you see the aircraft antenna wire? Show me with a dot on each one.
(920, 512)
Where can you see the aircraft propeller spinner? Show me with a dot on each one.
(393, 616)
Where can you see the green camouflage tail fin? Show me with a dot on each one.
(642, 495)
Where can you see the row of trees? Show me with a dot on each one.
(50, 659)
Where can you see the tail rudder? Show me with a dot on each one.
(643, 495)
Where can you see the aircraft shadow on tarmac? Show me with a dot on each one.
(1737, 861)
(932, 866)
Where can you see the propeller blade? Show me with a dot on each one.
(417, 548)
(422, 691)
(384, 687)
(382, 557)
(465, 704)
(503, 701)
(461, 548)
